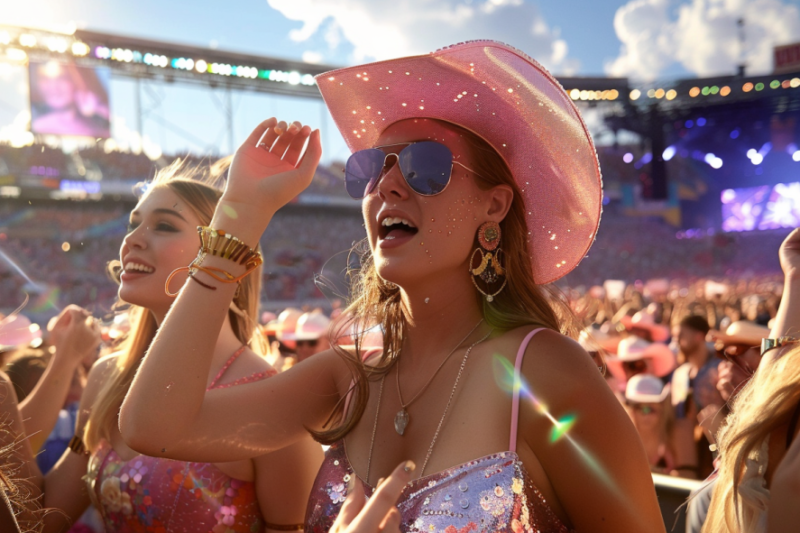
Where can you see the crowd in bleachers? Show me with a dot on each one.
(304, 241)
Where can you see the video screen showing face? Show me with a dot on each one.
(67, 99)
(761, 208)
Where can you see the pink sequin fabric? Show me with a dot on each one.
(490, 494)
(510, 101)
(149, 494)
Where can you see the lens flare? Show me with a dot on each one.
(504, 375)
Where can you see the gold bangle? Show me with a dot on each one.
(768, 344)
(220, 243)
(76, 445)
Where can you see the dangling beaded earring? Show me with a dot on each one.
(489, 269)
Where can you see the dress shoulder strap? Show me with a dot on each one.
(256, 376)
(512, 446)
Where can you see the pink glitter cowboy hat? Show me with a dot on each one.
(510, 101)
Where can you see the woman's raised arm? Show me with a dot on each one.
(167, 411)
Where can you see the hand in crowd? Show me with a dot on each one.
(75, 334)
(380, 513)
(790, 254)
(268, 171)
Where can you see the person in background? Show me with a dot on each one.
(694, 394)
(645, 396)
(638, 356)
(311, 335)
(44, 382)
(643, 325)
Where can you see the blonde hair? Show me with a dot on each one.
(763, 405)
(377, 302)
(199, 187)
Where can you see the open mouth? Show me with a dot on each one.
(396, 228)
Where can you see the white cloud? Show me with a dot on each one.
(309, 56)
(384, 29)
(700, 35)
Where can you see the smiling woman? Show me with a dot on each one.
(257, 492)
(480, 185)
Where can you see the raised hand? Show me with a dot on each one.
(790, 255)
(75, 335)
(268, 171)
(379, 514)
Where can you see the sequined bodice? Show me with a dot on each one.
(162, 495)
(151, 494)
(490, 494)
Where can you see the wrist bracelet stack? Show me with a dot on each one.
(221, 244)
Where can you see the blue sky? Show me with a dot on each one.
(644, 39)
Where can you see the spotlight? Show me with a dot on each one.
(627, 157)
(757, 159)
(27, 40)
(725, 91)
(701, 121)
(689, 123)
(735, 134)
(672, 94)
(635, 94)
(796, 155)
(694, 91)
(201, 66)
(747, 87)
(669, 153)
(574, 94)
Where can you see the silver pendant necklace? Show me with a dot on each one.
(402, 418)
(441, 421)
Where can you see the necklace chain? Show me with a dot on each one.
(402, 418)
(441, 421)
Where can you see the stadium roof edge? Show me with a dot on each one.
(124, 41)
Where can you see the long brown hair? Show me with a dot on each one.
(763, 405)
(199, 188)
(374, 302)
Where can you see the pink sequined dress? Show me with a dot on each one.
(150, 494)
(490, 494)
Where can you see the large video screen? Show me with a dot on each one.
(67, 99)
(761, 208)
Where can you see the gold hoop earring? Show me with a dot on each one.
(489, 268)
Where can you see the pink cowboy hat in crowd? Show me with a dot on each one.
(635, 349)
(646, 320)
(511, 102)
(17, 330)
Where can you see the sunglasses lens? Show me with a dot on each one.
(426, 167)
(361, 172)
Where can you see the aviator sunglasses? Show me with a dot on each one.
(425, 165)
